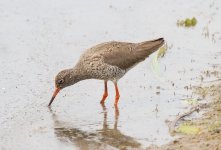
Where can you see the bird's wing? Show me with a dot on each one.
(126, 55)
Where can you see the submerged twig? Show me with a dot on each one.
(213, 80)
(172, 125)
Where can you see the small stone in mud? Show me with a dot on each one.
(158, 93)
(175, 141)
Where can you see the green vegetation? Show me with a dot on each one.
(187, 22)
(188, 128)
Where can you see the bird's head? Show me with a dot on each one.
(63, 79)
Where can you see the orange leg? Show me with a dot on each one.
(105, 93)
(117, 94)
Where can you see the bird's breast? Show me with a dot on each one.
(100, 70)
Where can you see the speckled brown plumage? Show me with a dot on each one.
(106, 61)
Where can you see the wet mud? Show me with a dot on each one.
(37, 43)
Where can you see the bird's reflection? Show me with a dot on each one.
(100, 139)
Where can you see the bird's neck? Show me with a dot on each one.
(77, 74)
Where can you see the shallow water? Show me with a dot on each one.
(40, 38)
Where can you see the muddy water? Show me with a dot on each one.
(40, 38)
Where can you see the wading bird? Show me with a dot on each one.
(108, 61)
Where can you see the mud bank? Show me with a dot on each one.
(209, 125)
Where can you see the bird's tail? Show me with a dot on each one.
(149, 47)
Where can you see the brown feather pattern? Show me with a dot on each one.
(126, 55)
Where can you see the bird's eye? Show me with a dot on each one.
(60, 81)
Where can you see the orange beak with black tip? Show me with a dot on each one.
(54, 95)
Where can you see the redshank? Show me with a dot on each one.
(108, 61)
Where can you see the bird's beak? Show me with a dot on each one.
(54, 95)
